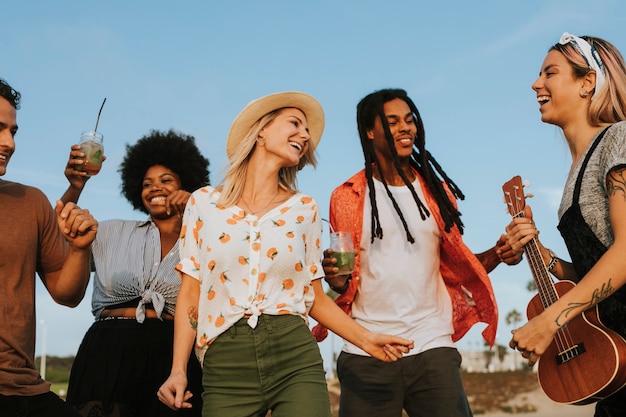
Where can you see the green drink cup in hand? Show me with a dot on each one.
(343, 251)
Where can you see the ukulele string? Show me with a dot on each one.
(545, 285)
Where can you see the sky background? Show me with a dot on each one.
(193, 65)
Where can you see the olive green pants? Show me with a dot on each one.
(277, 366)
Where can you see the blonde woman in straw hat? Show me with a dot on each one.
(251, 268)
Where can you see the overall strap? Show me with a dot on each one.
(579, 180)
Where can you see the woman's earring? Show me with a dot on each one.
(585, 94)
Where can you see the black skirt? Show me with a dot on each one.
(120, 366)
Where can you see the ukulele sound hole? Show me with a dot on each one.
(571, 353)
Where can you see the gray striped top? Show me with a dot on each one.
(126, 258)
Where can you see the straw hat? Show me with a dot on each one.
(264, 105)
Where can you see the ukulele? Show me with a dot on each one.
(586, 361)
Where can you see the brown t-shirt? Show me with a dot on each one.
(30, 242)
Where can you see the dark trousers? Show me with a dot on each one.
(424, 385)
(43, 405)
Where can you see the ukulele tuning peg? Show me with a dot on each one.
(529, 195)
(526, 183)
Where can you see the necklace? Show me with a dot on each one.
(261, 209)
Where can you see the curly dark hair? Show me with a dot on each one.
(10, 94)
(369, 109)
(173, 150)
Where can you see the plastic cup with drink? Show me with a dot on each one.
(343, 251)
(91, 145)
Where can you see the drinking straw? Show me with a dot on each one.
(330, 226)
(98, 119)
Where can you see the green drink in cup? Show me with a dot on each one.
(342, 251)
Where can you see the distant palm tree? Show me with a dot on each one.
(513, 317)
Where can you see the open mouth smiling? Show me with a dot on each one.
(157, 199)
(543, 100)
(297, 146)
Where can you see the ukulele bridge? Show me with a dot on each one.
(571, 353)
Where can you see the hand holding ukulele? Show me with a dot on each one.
(580, 362)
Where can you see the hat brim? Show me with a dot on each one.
(256, 109)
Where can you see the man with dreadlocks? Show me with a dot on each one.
(420, 281)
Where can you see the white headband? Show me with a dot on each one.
(590, 55)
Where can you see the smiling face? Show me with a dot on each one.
(158, 183)
(402, 126)
(287, 136)
(8, 129)
(559, 91)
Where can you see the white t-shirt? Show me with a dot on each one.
(401, 291)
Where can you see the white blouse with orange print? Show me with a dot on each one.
(248, 265)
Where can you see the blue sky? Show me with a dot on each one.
(193, 65)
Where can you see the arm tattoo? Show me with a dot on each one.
(192, 313)
(616, 182)
(598, 295)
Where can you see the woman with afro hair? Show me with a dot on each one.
(127, 352)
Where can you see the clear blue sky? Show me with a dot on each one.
(193, 65)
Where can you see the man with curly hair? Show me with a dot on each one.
(34, 240)
(127, 352)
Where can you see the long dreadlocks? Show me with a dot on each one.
(368, 109)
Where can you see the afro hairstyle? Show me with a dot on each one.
(173, 150)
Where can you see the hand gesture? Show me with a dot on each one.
(77, 179)
(506, 253)
(533, 338)
(387, 348)
(77, 225)
(176, 202)
(173, 392)
(335, 281)
(330, 270)
(521, 230)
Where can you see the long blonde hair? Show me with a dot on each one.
(235, 177)
(609, 103)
